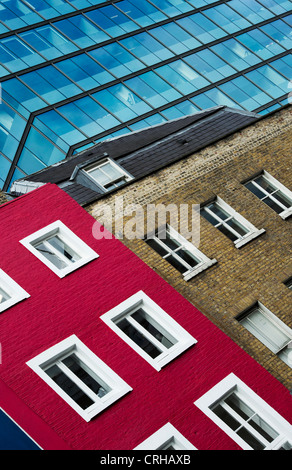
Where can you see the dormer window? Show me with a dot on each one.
(108, 174)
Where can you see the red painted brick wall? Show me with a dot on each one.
(59, 308)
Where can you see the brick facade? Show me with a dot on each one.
(58, 308)
(2, 198)
(241, 277)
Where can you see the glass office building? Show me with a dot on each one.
(79, 71)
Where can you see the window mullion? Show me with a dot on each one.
(56, 252)
(268, 338)
(255, 433)
(76, 380)
(145, 333)
(278, 202)
(213, 215)
(183, 262)
(238, 235)
(258, 186)
(233, 414)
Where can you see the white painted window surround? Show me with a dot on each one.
(180, 253)
(270, 330)
(273, 193)
(234, 225)
(247, 418)
(108, 174)
(59, 248)
(10, 292)
(162, 334)
(103, 377)
(166, 438)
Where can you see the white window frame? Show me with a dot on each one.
(204, 261)
(230, 384)
(166, 435)
(141, 300)
(252, 233)
(273, 319)
(72, 344)
(279, 187)
(86, 253)
(13, 290)
(123, 173)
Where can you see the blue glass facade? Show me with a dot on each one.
(76, 72)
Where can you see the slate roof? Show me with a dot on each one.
(143, 152)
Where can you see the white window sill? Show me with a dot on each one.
(251, 236)
(197, 270)
(287, 213)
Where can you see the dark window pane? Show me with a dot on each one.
(176, 264)
(138, 338)
(66, 384)
(52, 257)
(226, 417)
(81, 371)
(255, 190)
(218, 211)
(261, 181)
(273, 205)
(282, 199)
(237, 227)
(227, 232)
(64, 249)
(263, 428)
(156, 246)
(250, 439)
(239, 406)
(187, 257)
(209, 217)
(144, 320)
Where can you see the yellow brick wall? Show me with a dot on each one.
(2, 198)
(255, 272)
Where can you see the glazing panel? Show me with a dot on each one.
(84, 114)
(175, 38)
(172, 7)
(82, 31)
(147, 48)
(122, 102)
(182, 77)
(270, 81)
(16, 14)
(227, 18)
(49, 42)
(61, 129)
(279, 31)
(235, 54)
(210, 65)
(51, 8)
(17, 55)
(85, 71)
(153, 89)
(251, 10)
(42, 148)
(142, 12)
(214, 97)
(247, 94)
(202, 28)
(111, 20)
(260, 44)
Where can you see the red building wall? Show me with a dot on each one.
(58, 308)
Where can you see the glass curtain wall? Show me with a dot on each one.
(75, 72)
